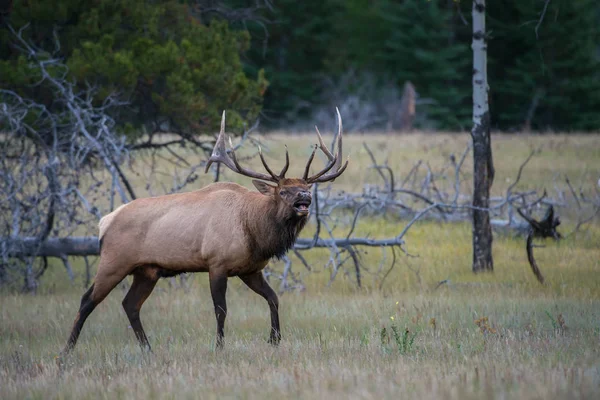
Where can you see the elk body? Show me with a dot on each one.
(223, 229)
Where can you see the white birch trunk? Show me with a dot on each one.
(483, 168)
(479, 46)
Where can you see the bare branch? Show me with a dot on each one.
(573, 192)
(534, 266)
(543, 14)
(389, 270)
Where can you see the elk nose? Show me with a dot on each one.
(305, 195)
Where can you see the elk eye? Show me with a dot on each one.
(283, 192)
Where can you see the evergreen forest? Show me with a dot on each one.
(176, 64)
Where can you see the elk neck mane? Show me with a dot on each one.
(271, 228)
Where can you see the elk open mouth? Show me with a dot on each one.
(302, 206)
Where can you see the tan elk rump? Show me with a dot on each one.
(223, 229)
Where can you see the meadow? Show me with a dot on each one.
(498, 335)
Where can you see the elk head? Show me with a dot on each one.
(292, 194)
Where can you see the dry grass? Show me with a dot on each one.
(576, 156)
(573, 155)
(537, 342)
(332, 348)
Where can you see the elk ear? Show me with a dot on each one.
(264, 188)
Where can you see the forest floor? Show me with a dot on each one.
(497, 335)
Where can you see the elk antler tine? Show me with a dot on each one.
(235, 161)
(310, 159)
(219, 151)
(335, 162)
(264, 162)
(316, 177)
(339, 144)
(222, 123)
(220, 155)
(287, 164)
(322, 145)
(247, 172)
(331, 178)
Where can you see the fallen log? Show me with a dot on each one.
(51, 247)
(88, 245)
(510, 227)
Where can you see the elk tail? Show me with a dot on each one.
(106, 221)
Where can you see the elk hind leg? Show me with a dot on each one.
(144, 282)
(103, 284)
(85, 309)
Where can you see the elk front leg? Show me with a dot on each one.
(218, 289)
(258, 284)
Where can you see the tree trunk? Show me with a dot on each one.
(483, 168)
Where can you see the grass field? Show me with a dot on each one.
(499, 335)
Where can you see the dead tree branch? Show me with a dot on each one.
(542, 15)
(543, 229)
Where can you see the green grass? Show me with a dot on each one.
(538, 342)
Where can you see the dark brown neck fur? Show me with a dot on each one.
(271, 229)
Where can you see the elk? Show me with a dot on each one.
(223, 229)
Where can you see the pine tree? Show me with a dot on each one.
(299, 39)
(549, 79)
(176, 72)
(421, 48)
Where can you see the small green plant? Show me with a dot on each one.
(558, 323)
(364, 339)
(552, 320)
(404, 340)
(383, 336)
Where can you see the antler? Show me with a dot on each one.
(219, 154)
(335, 162)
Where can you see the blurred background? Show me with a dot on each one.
(177, 64)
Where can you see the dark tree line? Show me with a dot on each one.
(546, 70)
(179, 62)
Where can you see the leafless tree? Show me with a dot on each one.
(63, 165)
(49, 161)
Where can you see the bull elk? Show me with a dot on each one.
(223, 229)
